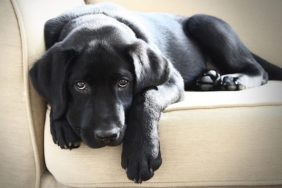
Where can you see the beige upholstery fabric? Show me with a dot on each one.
(258, 22)
(31, 16)
(266, 95)
(49, 181)
(16, 152)
(232, 144)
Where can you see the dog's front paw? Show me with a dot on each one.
(63, 135)
(140, 162)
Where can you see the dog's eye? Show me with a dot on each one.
(122, 83)
(81, 86)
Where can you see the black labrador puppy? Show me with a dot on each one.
(108, 73)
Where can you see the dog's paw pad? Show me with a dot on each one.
(208, 81)
(231, 83)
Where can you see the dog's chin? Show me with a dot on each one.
(96, 144)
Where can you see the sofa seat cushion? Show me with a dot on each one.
(209, 139)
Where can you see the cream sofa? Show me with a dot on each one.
(209, 139)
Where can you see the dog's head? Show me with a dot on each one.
(91, 77)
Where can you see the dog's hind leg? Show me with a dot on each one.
(228, 54)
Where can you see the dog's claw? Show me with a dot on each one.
(76, 144)
(63, 135)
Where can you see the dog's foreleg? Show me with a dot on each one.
(141, 149)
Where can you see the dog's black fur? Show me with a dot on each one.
(108, 73)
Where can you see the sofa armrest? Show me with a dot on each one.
(16, 154)
(22, 113)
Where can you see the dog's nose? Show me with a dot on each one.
(107, 135)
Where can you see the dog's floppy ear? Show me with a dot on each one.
(151, 68)
(54, 27)
(48, 76)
